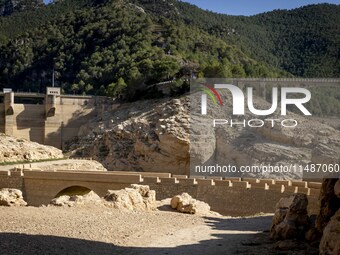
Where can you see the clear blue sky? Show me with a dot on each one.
(251, 7)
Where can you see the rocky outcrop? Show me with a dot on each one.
(330, 242)
(11, 197)
(186, 204)
(144, 136)
(329, 203)
(15, 149)
(90, 198)
(337, 188)
(136, 198)
(292, 226)
(272, 144)
(328, 221)
(297, 231)
(291, 218)
(154, 136)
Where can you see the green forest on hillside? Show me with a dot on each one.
(114, 48)
(117, 47)
(304, 41)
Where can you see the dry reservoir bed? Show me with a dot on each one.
(102, 230)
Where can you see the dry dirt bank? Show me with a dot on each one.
(101, 230)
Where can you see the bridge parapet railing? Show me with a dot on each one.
(309, 188)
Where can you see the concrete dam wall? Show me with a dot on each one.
(49, 119)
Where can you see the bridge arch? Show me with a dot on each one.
(74, 190)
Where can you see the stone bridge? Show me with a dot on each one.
(228, 196)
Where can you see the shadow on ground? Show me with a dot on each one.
(233, 236)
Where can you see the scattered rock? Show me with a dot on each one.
(186, 204)
(70, 201)
(291, 218)
(11, 197)
(330, 242)
(138, 197)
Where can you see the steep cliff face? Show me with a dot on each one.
(154, 136)
(328, 221)
(143, 136)
(309, 142)
(8, 7)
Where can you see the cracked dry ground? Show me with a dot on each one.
(102, 230)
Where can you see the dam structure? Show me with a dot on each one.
(49, 119)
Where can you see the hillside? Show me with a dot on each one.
(18, 22)
(304, 41)
(155, 135)
(114, 48)
(8, 7)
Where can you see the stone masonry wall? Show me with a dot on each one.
(232, 197)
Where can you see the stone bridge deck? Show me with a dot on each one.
(228, 196)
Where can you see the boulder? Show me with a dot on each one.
(330, 242)
(312, 235)
(329, 203)
(337, 188)
(143, 190)
(62, 201)
(291, 218)
(11, 197)
(186, 204)
(296, 203)
(138, 197)
(90, 198)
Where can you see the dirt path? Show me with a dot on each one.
(101, 230)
